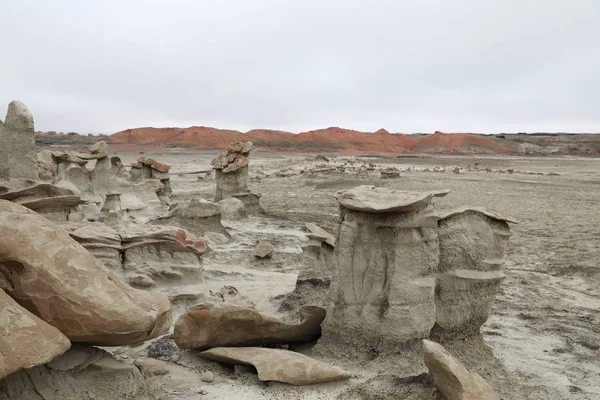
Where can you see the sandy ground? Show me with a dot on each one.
(546, 319)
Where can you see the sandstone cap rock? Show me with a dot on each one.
(378, 199)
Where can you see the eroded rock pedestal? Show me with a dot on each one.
(18, 156)
(404, 273)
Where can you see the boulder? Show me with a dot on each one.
(54, 277)
(232, 208)
(26, 340)
(263, 249)
(99, 148)
(197, 217)
(278, 365)
(18, 155)
(452, 378)
(152, 366)
(211, 325)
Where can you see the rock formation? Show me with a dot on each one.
(18, 157)
(263, 249)
(51, 275)
(233, 209)
(26, 340)
(404, 273)
(231, 178)
(278, 365)
(80, 373)
(453, 379)
(198, 217)
(207, 325)
(386, 252)
(473, 241)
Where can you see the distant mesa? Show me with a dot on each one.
(332, 139)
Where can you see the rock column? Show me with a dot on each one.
(18, 156)
(232, 171)
(386, 253)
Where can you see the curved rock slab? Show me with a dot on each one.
(26, 340)
(207, 325)
(278, 365)
(377, 199)
(54, 277)
(452, 378)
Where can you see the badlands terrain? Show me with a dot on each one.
(148, 271)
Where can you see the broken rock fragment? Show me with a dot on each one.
(452, 378)
(278, 365)
(263, 249)
(207, 325)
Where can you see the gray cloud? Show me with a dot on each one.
(407, 66)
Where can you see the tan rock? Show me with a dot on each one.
(279, 365)
(375, 199)
(152, 366)
(263, 249)
(26, 340)
(160, 167)
(317, 230)
(207, 325)
(452, 378)
(55, 278)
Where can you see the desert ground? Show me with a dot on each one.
(541, 341)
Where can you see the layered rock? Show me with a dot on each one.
(386, 252)
(231, 168)
(212, 325)
(25, 340)
(452, 378)
(278, 365)
(473, 241)
(47, 272)
(198, 217)
(80, 373)
(18, 157)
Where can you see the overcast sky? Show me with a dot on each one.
(404, 65)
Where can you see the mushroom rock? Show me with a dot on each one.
(232, 170)
(26, 340)
(51, 275)
(452, 378)
(209, 325)
(153, 164)
(278, 365)
(386, 252)
(18, 154)
(473, 242)
(197, 217)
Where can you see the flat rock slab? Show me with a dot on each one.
(26, 340)
(317, 230)
(452, 378)
(212, 325)
(443, 214)
(279, 365)
(377, 199)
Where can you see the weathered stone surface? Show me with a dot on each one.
(53, 202)
(26, 340)
(152, 366)
(197, 217)
(251, 202)
(452, 378)
(317, 230)
(375, 199)
(154, 164)
(80, 373)
(209, 325)
(382, 292)
(54, 277)
(232, 170)
(472, 242)
(278, 365)
(99, 147)
(263, 249)
(18, 155)
(232, 208)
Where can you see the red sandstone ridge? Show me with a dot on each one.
(331, 139)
